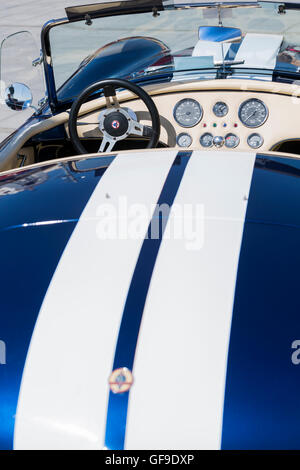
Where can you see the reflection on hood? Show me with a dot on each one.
(27, 183)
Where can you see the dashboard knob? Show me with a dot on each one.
(218, 141)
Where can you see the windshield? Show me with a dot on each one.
(135, 45)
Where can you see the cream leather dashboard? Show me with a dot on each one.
(281, 123)
(282, 100)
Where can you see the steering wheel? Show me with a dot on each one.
(115, 123)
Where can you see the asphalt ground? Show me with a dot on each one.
(25, 15)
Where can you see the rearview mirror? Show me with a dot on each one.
(219, 34)
(18, 96)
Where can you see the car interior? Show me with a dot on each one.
(253, 110)
(219, 105)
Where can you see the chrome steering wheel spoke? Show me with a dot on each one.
(107, 144)
(136, 128)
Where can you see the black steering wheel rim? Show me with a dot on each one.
(116, 83)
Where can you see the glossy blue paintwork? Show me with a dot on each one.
(57, 194)
(262, 409)
(119, 59)
(135, 303)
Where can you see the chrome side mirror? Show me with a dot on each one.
(219, 34)
(18, 96)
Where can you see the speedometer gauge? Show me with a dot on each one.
(253, 113)
(188, 112)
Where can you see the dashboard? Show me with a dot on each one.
(224, 119)
(252, 113)
(231, 114)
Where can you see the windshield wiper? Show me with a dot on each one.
(224, 67)
(155, 68)
(229, 62)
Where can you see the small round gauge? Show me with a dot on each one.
(255, 140)
(206, 140)
(253, 113)
(188, 112)
(184, 140)
(220, 109)
(231, 141)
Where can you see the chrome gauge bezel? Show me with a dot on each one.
(212, 140)
(182, 101)
(251, 135)
(218, 103)
(237, 141)
(183, 134)
(259, 101)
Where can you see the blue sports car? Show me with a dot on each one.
(150, 228)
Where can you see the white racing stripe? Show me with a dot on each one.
(64, 391)
(176, 401)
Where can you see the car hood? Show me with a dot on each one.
(203, 314)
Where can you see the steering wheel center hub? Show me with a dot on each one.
(116, 124)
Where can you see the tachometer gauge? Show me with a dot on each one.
(231, 141)
(188, 112)
(184, 140)
(253, 113)
(255, 140)
(206, 140)
(220, 109)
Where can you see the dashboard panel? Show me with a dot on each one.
(209, 119)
